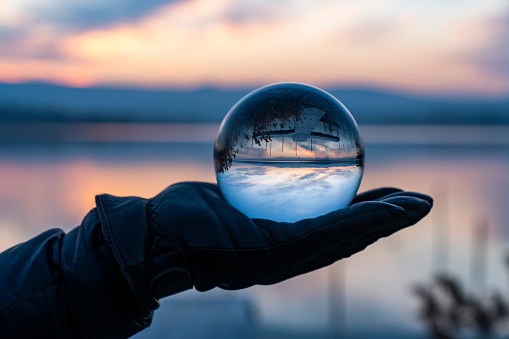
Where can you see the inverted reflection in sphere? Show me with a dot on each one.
(288, 152)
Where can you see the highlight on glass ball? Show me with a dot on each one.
(288, 152)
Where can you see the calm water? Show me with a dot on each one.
(289, 191)
(52, 184)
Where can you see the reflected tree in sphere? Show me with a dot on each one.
(285, 140)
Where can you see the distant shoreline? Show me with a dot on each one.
(28, 103)
(317, 162)
(384, 134)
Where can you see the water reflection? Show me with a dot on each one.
(290, 191)
(48, 185)
(277, 121)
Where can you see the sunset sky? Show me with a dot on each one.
(418, 46)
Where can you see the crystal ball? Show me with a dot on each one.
(288, 152)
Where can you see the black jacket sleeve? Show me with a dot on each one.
(59, 285)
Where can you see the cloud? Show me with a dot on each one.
(318, 173)
(248, 12)
(370, 30)
(33, 29)
(493, 57)
(20, 45)
(393, 43)
(109, 13)
(76, 15)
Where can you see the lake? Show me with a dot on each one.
(49, 177)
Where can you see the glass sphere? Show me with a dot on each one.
(287, 152)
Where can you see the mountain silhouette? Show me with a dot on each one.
(34, 102)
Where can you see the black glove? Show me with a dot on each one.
(188, 235)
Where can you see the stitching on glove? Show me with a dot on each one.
(152, 214)
(116, 253)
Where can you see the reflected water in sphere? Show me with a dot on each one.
(287, 152)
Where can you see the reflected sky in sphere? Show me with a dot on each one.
(288, 152)
(289, 191)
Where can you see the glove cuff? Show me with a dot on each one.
(128, 235)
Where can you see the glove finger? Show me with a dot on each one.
(374, 194)
(407, 194)
(416, 205)
(290, 249)
(352, 222)
(291, 246)
(309, 238)
(415, 210)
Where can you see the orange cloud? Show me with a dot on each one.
(196, 42)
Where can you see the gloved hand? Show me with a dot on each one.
(188, 235)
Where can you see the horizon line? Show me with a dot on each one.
(388, 90)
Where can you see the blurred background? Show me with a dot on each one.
(126, 97)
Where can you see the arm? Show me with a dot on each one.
(104, 279)
(60, 285)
